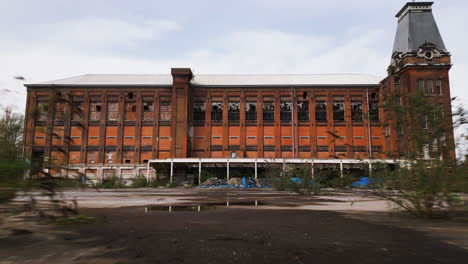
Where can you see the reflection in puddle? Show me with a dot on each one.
(201, 207)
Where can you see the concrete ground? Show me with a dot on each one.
(230, 225)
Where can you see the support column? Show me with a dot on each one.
(312, 169)
(256, 175)
(227, 169)
(370, 168)
(199, 172)
(172, 171)
(147, 171)
(341, 169)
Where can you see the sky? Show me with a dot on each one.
(53, 39)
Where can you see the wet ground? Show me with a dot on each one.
(234, 226)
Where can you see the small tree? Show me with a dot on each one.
(422, 186)
(11, 167)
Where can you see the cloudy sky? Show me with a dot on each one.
(52, 39)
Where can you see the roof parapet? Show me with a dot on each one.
(414, 7)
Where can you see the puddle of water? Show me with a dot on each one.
(202, 206)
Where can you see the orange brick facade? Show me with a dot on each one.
(123, 126)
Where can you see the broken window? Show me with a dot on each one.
(95, 111)
(130, 96)
(285, 111)
(199, 111)
(374, 111)
(268, 111)
(321, 111)
(251, 111)
(77, 110)
(303, 111)
(234, 111)
(110, 157)
(112, 111)
(165, 111)
(338, 110)
(130, 111)
(216, 111)
(148, 110)
(356, 111)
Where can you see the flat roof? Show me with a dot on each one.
(95, 80)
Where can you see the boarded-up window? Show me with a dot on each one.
(165, 111)
(112, 111)
(91, 157)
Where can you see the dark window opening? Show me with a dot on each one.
(127, 161)
(338, 111)
(216, 111)
(234, 111)
(374, 111)
(285, 111)
(356, 111)
(321, 111)
(251, 111)
(268, 111)
(130, 95)
(199, 111)
(98, 108)
(303, 111)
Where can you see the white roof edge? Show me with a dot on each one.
(218, 80)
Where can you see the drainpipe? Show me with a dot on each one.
(369, 132)
(292, 123)
(368, 124)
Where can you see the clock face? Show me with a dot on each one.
(428, 55)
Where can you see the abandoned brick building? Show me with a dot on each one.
(129, 124)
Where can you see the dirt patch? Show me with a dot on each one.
(278, 230)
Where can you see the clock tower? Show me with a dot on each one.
(419, 66)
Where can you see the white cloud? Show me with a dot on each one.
(93, 33)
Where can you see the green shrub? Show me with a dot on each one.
(110, 183)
